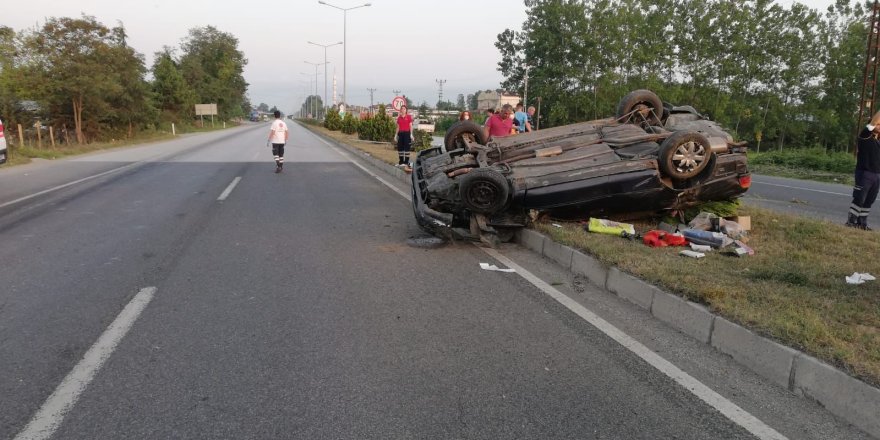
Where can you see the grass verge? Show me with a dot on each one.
(802, 173)
(384, 151)
(792, 290)
(21, 155)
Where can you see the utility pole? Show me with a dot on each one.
(440, 82)
(526, 91)
(371, 100)
(869, 80)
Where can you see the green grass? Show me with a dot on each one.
(21, 155)
(809, 164)
(792, 289)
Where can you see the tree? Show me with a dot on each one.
(213, 67)
(174, 98)
(133, 105)
(74, 65)
(311, 105)
(460, 104)
(10, 74)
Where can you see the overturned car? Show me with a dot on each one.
(651, 156)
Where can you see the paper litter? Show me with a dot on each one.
(487, 266)
(859, 278)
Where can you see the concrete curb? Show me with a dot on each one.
(842, 395)
(691, 318)
(838, 392)
(768, 358)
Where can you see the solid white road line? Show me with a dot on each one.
(45, 191)
(49, 417)
(715, 400)
(703, 392)
(801, 188)
(229, 189)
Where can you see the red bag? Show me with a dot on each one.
(657, 238)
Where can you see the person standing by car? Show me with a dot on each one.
(499, 124)
(531, 114)
(404, 137)
(278, 135)
(867, 174)
(522, 119)
(489, 113)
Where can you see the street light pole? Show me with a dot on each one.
(325, 46)
(345, 43)
(314, 105)
(316, 83)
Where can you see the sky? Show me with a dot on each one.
(405, 45)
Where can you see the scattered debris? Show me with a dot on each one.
(692, 254)
(700, 247)
(707, 238)
(556, 225)
(741, 249)
(859, 278)
(657, 238)
(605, 226)
(425, 242)
(487, 266)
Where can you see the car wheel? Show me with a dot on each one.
(460, 131)
(684, 155)
(483, 190)
(640, 107)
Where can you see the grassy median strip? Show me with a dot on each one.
(384, 151)
(792, 290)
(23, 154)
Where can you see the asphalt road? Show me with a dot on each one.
(825, 201)
(289, 306)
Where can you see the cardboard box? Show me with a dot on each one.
(744, 221)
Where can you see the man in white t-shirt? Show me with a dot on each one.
(278, 137)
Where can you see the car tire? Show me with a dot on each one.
(460, 130)
(684, 155)
(483, 190)
(648, 107)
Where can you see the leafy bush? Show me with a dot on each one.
(444, 123)
(333, 121)
(349, 124)
(379, 128)
(811, 159)
(421, 140)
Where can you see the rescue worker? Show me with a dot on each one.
(867, 174)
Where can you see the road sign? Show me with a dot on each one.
(398, 102)
(206, 109)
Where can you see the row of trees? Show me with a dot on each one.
(785, 76)
(80, 74)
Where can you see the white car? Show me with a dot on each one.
(2, 144)
(425, 125)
